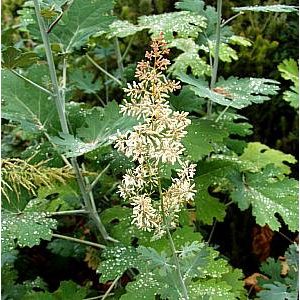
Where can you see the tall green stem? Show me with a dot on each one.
(59, 98)
(172, 245)
(56, 91)
(216, 54)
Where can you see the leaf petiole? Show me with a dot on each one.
(31, 82)
(64, 237)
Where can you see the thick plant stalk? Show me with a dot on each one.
(173, 249)
(56, 90)
(216, 55)
(58, 96)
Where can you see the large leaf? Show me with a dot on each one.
(184, 235)
(186, 101)
(123, 230)
(101, 125)
(290, 71)
(25, 229)
(226, 53)
(203, 137)
(245, 91)
(118, 259)
(66, 290)
(57, 197)
(234, 92)
(292, 96)
(235, 125)
(148, 283)
(83, 80)
(211, 174)
(121, 29)
(156, 260)
(277, 286)
(267, 197)
(196, 261)
(272, 269)
(235, 279)
(260, 155)
(211, 289)
(277, 291)
(185, 24)
(196, 6)
(24, 103)
(267, 8)
(200, 87)
(189, 58)
(13, 58)
(81, 20)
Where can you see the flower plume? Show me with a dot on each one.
(155, 141)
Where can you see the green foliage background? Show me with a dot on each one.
(244, 177)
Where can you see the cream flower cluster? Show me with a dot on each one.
(153, 142)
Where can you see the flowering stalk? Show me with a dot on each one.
(153, 143)
(181, 281)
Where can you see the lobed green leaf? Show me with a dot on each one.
(260, 155)
(234, 92)
(25, 229)
(80, 21)
(26, 104)
(267, 196)
(184, 24)
(14, 58)
(99, 129)
(203, 137)
(66, 290)
(118, 259)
